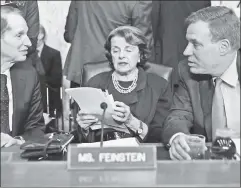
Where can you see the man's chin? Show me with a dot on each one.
(22, 58)
(195, 70)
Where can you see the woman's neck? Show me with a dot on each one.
(130, 76)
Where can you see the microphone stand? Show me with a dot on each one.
(103, 106)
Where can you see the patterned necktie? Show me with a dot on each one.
(4, 105)
(219, 119)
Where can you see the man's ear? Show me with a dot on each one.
(224, 47)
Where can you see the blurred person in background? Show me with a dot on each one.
(52, 79)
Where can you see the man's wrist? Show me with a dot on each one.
(172, 138)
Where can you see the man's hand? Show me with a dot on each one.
(7, 140)
(179, 148)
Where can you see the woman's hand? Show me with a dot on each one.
(84, 119)
(121, 112)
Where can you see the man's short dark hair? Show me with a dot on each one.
(223, 23)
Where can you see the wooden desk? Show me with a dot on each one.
(16, 172)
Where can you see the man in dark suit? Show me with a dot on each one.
(89, 23)
(51, 61)
(208, 97)
(21, 108)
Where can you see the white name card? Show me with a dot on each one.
(96, 158)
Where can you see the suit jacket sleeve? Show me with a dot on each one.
(162, 109)
(71, 22)
(32, 19)
(180, 118)
(141, 18)
(34, 127)
(155, 19)
(54, 77)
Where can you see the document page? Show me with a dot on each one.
(89, 99)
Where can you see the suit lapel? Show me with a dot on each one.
(206, 93)
(44, 57)
(18, 88)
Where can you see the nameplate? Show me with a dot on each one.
(96, 158)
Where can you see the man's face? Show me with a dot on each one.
(202, 53)
(15, 42)
(40, 39)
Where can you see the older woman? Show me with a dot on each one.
(142, 100)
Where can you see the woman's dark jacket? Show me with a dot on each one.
(149, 101)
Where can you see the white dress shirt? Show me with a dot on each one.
(40, 49)
(230, 88)
(9, 86)
(231, 95)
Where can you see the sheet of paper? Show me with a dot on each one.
(89, 99)
(47, 119)
(124, 142)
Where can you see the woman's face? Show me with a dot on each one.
(124, 55)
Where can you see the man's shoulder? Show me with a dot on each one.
(184, 69)
(24, 67)
(50, 49)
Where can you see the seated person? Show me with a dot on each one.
(52, 79)
(142, 100)
(21, 110)
(208, 97)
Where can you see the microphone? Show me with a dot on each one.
(103, 106)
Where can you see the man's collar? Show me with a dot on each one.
(40, 48)
(6, 72)
(230, 76)
(6, 65)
